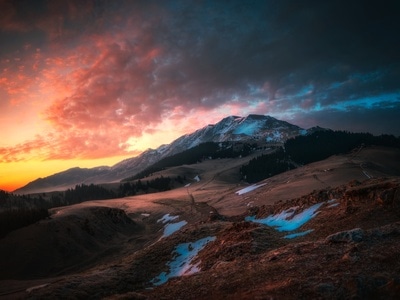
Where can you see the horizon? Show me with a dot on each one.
(93, 83)
(79, 167)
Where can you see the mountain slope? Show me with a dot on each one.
(233, 128)
(347, 247)
(251, 128)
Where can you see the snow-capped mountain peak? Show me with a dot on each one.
(233, 128)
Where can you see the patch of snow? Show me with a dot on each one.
(173, 227)
(197, 178)
(303, 132)
(181, 264)
(367, 175)
(167, 218)
(187, 185)
(297, 234)
(247, 129)
(162, 149)
(170, 228)
(287, 220)
(332, 202)
(277, 135)
(195, 143)
(145, 215)
(274, 136)
(28, 290)
(249, 189)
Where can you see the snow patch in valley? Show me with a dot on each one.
(197, 178)
(287, 220)
(167, 218)
(297, 234)
(249, 189)
(173, 227)
(181, 264)
(170, 228)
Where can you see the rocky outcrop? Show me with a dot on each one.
(349, 236)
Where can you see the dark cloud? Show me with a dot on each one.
(125, 66)
(378, 119)
(226, 46)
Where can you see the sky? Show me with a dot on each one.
(89, 83)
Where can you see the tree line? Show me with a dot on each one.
(322, 144)
(16, 212)
(159, 184)
(306, 149)
(265, 166)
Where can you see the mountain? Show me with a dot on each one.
(63, 180)
(234, 128)
(256, 128)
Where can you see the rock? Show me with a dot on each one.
(389, 197)
(387, 230)
(350, 236)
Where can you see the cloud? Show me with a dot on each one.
(74, 145)
(379, 117)
(108, 72)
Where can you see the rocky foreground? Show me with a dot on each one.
(349, 248)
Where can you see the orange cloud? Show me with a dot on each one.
(73, 145)
(103, 91)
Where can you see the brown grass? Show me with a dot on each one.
(91, 249)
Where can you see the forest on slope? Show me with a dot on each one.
(306, 149)
(196, 154)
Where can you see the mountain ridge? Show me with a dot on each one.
(232, 128)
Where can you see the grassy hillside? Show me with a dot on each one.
(196, 154)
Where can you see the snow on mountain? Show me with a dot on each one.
(233, 128)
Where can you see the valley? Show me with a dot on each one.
(121, 248)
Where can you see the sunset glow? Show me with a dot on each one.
(89, 83)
